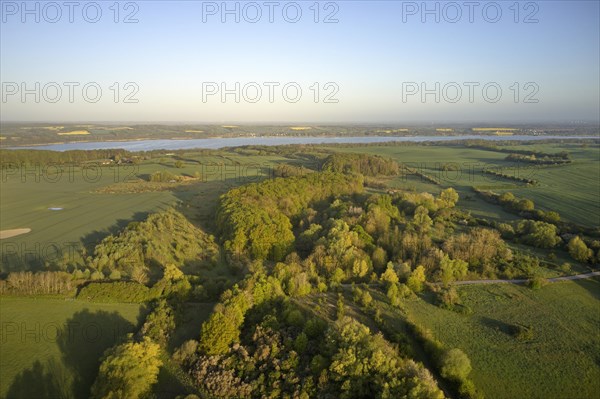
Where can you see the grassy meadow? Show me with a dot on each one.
(51, 347)
(560, 359)
(571, 190)
(58, 342)
(88, 212)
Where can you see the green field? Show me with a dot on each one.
(88, 214)
(560, 361)
(51, 347)
(572, 190)
(53, 341)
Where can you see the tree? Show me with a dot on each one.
(421, 219)
(360, 268)
(97, 275)
(340, 307)
(542, 235)
(389, 276)
(223, 326)
(160, 323)
(452, 269)
(416, 279)
(379, 258)
(365, 299)
(449, 197)
(551, 217)
(525, 205)
(115, 275)
(455, 365)
(578, 250)
(128, 370)
(139, 275)
(178, 164)
(393, 294)
(506, 198)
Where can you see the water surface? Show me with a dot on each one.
(219, 142)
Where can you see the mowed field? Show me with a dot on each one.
(51, 347)
(572, 190)
(562, 359)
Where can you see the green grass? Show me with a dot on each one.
(51, 347)
(572, 190)
(88, 215)
(561, 361)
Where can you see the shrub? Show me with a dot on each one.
(455, 365)
(578, 250)
(536, 283)
(118, 291)
(523, 333)
(115, 275)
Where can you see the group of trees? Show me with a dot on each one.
(128, 370)
(540, 158)
(42, 283)
(286, 170)
(140, 251)
(123, 264)
(297, 235)
(521, 206)
(479, 247)
(73, 157)
(255, 219)
(367, 165)
(283, 351)
(542, 229)
(514, 177)
(164, 176)
(172, 284)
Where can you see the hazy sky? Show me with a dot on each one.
(370, 62)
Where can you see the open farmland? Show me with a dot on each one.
(68, 208)
(572, 190)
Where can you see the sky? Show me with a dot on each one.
(303, 61)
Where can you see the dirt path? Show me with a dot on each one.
(13, 233)
(523, 281)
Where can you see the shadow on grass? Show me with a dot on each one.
(82, 341)
(498, 325)
(592, 286)
(94, 238)
(41, 381)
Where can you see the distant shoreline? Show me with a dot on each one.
(141, 144)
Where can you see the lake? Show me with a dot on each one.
(215, 143)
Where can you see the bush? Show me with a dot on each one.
(523, 333)
(97, 275)
(579, 250)
(416, 279)
(118, 291)
(115, 275)
(186, 352)
(536, 283)
(455, 365)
